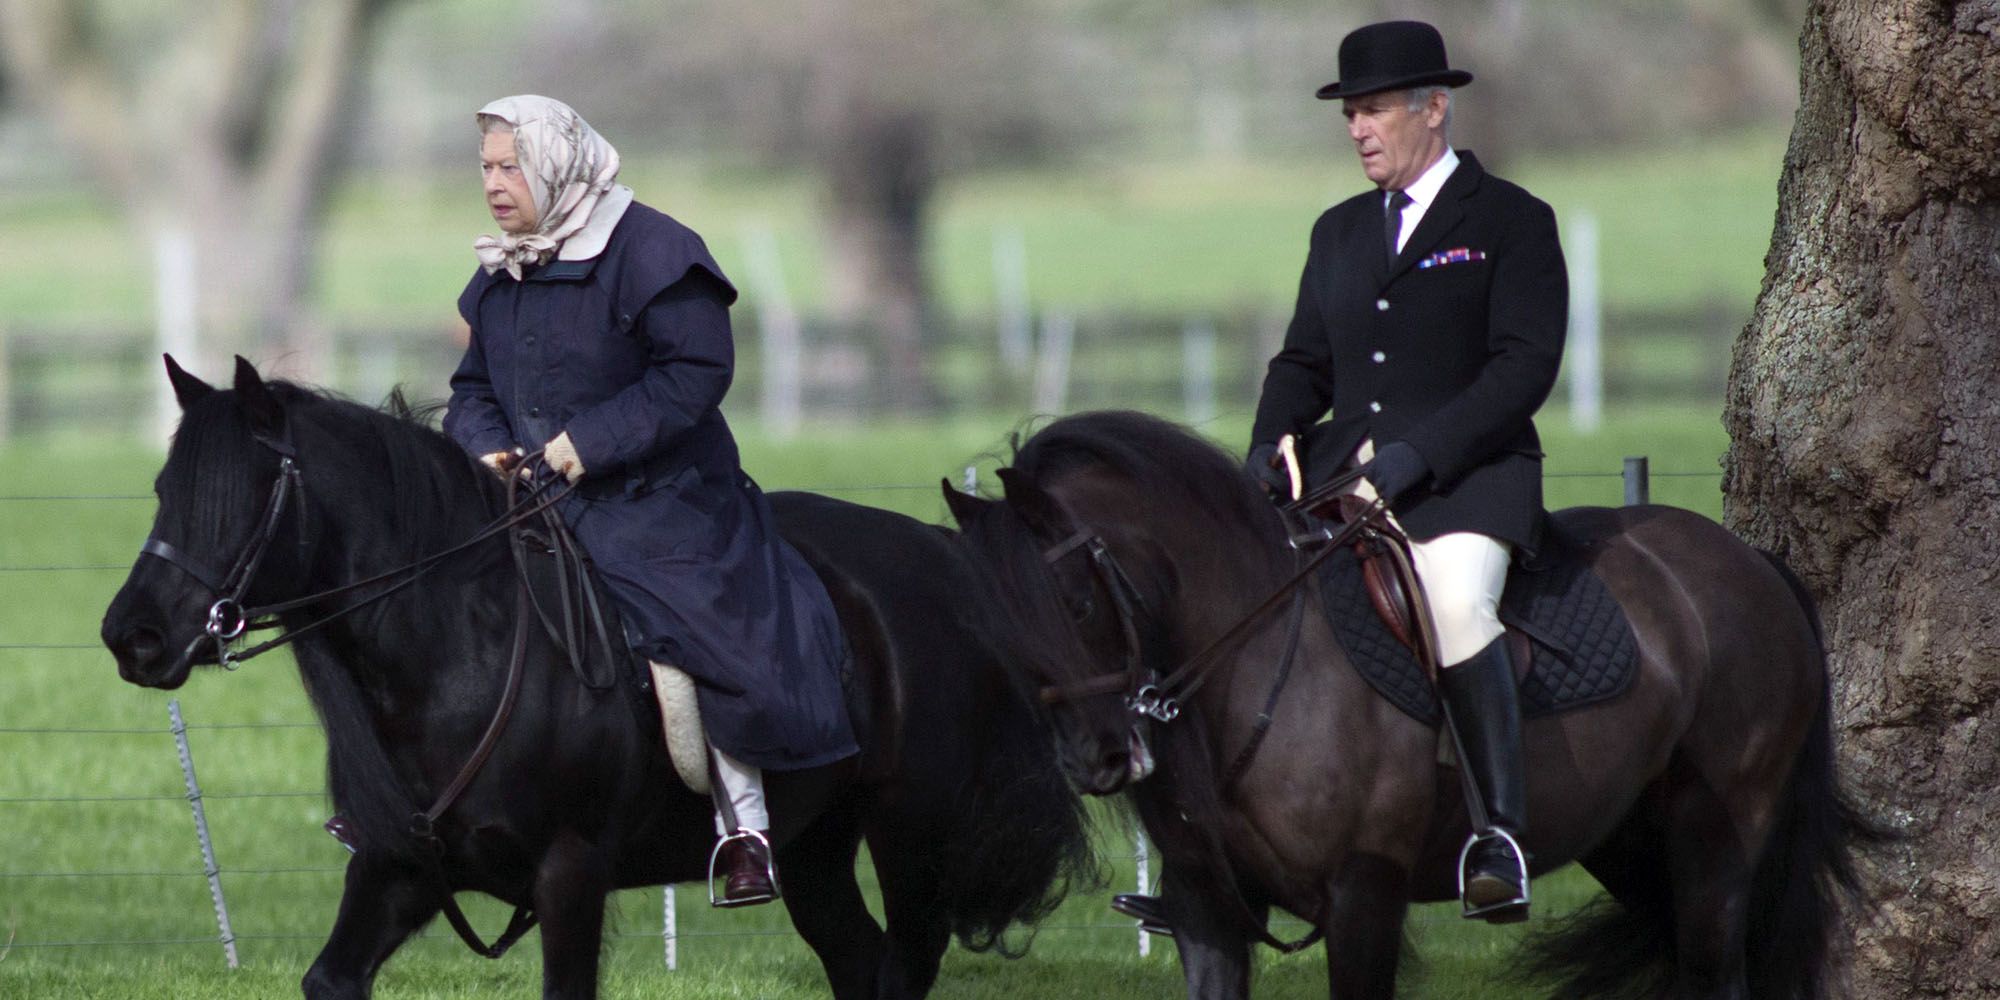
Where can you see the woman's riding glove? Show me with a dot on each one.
(560, 454)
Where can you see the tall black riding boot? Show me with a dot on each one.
(1486, 710)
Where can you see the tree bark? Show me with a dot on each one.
(1865, 449)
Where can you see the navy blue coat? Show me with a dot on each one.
(631, 353)
(1451, 349)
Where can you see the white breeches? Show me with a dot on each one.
(745, 787)
(1462, 574)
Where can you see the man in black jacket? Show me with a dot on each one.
(1430, 322)
(1430, 325)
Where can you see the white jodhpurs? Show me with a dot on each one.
(1462, 574)
(745, 787)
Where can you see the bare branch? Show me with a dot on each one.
(296, 160)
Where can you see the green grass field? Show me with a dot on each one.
(101, 894)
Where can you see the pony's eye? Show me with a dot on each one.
(1080, 608)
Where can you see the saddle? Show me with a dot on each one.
(1386, 573)
(1570, 641)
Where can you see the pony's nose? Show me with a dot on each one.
(135, 645)
(1113, 763)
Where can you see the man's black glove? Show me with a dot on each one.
(1395, 470)
(1262, 465)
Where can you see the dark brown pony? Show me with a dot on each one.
(1705, 798)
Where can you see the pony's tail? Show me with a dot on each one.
(1808, 875)
(1021, 842)
(1805, 879)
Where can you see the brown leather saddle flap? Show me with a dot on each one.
(1387, 591)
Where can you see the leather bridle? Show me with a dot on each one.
(1147, 694)
(228, 619)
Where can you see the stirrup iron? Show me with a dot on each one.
(1520, 900)
(770, 869)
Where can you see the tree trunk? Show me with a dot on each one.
(1865, 449)
(879, 181)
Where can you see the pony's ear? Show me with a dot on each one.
(187, 388)
(965, 507)
(1041, 511)
(260, 405)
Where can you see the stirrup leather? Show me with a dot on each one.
(1520, 901)
(770, 870)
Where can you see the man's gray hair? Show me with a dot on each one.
(1416, 97)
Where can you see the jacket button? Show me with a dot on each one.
(1378, 357)
(1374, 407)
(1381, 305)
(536, 411)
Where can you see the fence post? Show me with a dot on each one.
(1052, 368)
(1198, 371)
(209, 866)
(1638, 481)
(1586, 327)
(175, 324)
(1010, 293)
(971, 481)
(670, 929)
(1140, 854)
(780, 336)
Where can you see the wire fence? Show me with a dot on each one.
(1636, 479)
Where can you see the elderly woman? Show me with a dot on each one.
(600, 334)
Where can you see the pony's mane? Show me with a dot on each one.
(425, 477)
(1169, 465)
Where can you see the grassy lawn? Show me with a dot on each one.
(102, 854)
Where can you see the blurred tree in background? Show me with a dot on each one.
(229, 121)
(213, 123)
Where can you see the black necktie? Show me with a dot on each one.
(1392, 221)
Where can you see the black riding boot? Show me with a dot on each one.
(1486, 710)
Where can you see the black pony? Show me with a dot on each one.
(1705, 798)
(956, 791)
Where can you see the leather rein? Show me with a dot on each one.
(1147, 694)
(228, 619)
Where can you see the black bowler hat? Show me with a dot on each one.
(1392, 55)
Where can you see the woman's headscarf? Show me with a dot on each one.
(570, 171)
